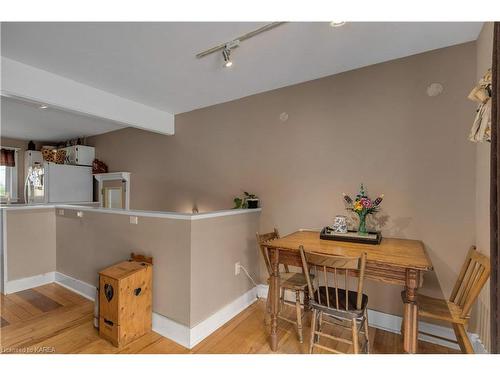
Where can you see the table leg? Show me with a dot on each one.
(410, 318)
(274, 290)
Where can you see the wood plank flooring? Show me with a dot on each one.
(52, 319)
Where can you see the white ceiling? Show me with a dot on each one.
(155, 64)
(23, 120)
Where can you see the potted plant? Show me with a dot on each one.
(247, 201)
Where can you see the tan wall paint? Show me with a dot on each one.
(481, 324)
(89, 244)
(193, 274)
(374, 125)
(31, 245)
(216, 245)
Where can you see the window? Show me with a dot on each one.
(8, 179)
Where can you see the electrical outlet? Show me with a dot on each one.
(134, 219)
(61, 212)
(237, 268)
(79, 214)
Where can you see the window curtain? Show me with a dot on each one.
(495, 194)
(7, 158)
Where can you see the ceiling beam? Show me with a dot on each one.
(35, 85)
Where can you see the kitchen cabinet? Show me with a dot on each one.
(80, 155)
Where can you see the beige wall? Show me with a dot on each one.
(193, 273)
(30, 240)
(216, 245)
(481, 322)
(374, 125)
(97, 240)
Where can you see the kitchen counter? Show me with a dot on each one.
(87, 206)
(27, 206)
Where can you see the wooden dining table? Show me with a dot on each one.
(394, 261)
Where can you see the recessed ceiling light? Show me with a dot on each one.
(337, 23)
(43, 106)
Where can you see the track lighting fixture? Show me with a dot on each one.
(226, 54)
(234, 43)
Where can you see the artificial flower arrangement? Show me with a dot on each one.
(362, 205)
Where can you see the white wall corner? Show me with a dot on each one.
(36, 85)
(172, 330)
(79, 287)
(14, 286)
(218, 319)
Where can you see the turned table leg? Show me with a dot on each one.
(274, 290)
(410, 312)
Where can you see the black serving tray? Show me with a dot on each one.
(373, 238)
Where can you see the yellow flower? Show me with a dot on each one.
(358, 206)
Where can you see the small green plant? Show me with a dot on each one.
(238, 202)
(242, 202)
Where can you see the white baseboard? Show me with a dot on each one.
(172, 330)
(478, 346)
(190, 337)
(79, 287)
(262, 290)
(181, 334)
(18, 285)
(215, 321)
(392, 323)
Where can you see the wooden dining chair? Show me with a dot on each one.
(346, 308)
(293, 281)
(456, 311)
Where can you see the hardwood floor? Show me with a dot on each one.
(52, 319)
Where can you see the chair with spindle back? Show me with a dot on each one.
(473, 275)
(347, 308)
(293, 281)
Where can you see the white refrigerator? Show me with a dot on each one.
(58, 183)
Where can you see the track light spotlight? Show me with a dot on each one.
(226, 53)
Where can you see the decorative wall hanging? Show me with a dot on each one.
(481, 128)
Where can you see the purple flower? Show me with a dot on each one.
(366, 202)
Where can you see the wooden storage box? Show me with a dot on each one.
(125, 301)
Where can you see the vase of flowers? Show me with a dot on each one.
(362, 223)
(362, 205)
